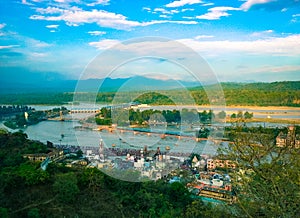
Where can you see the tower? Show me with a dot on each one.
(101, 150)
(61, 116)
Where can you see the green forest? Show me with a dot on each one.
(263, 189)
(28, 191)
(250, 94)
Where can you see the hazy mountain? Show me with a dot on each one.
(103, 85)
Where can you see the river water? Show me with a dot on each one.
(66, 133)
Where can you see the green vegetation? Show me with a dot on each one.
(267, 182)
(19, 119)
(240, 115)
(137, 117)
(28, 191)
(252, 94)
(13, 109)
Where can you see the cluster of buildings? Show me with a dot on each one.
(205, 179)
(213, 164)
(152, 164)
(291, 139)
(210, 180)
(52, 154)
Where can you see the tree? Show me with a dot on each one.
(34, 213)
(79, 153)
(248, 115)
(222, 114)
(199, 209)
(92, 178)
(202, 133)
(66, 187)
(32, 174)
(239, 114)
(3, 212)
(233, 116)
(267, 179)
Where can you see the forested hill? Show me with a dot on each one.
(285, 93)
(274, 86)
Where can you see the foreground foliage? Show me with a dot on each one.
(268, 179)
(28, 191)
(268, 188)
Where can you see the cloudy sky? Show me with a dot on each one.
(241, 40)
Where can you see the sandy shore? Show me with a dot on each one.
(260, 113)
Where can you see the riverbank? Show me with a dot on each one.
(263, 120)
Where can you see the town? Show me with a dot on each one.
(205, 176)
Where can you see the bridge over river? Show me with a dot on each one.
(97, 109)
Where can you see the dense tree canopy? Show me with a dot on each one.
(253, 94)
(267, 179)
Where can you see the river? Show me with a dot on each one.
(65, 133)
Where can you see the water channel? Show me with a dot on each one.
(66, 133)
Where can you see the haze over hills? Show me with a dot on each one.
(135, 83)
(157, 92)
(91, 85)
(272, 86)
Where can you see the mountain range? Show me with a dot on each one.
(103, 85)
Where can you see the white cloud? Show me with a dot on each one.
(207, 4)
(204, 37)
(164, 16)
(249, 3)
(175, 11)
(164, 11)
(262, 33)
(187, 17)
(268, 31)
(67, 1)
(217, 12)
(38, 54)
(168, 21)
(187, 9)
(180, 3)
(276, 69)
(24, 2)
(76, 16)
(295, 18)
(96, 33)
(99, 2)
(33, 43)
(2, 25)
(147, 9)
(8, 46)
(280, 46)
(50, 10)
(104, 44)
(53, 26)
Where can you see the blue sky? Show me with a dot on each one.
(241, 40)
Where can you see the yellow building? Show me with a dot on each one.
(40, 157)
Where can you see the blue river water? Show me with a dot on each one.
(66, 133)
